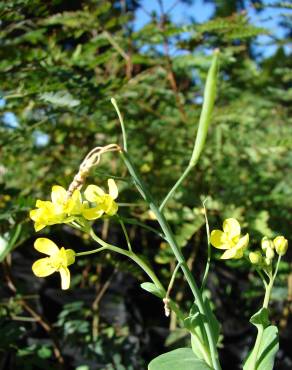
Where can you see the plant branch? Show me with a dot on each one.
(142, 264)
(177, 252)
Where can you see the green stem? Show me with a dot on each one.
(178, 254)
(261, 327)
(125, 233)
(90, 252)
(114, 103)
(170, 285)
(176, 185)
(205, 276)
(141, 224)
(277, 267)
(144, 266)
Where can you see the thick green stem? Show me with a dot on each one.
(144, 266)
(260, 327)
(178, 254)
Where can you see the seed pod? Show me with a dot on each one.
(207, 109)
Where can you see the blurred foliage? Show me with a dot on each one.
(60, 63)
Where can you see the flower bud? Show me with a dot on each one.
(281, 245)
(270, 253)
(255, 257)
(266, 243)
(268, 261)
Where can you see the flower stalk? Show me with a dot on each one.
(139, 261)
(177, 252)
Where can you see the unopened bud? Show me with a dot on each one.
(281, 245)
(268, 261)
(266, 243)
(255, 257)
(270, 253)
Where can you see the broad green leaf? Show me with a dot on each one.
(261, 318)
(176, 336)
(195, 324)
(152, 288)
(179, 359)
(267, 352)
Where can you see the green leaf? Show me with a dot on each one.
(215, 326)
(60, 99)
(152, 288)
(268, 348)
(7, 243)
(179, 359)
(261, 318)
(176, 336)
(195, 324)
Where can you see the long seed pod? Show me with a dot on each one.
(205, 119)
(207, 109)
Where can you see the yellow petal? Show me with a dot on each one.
(70, 255)
(109, 206)
(65, 277)
(43, 267)
(231, 227)
(93, 192)
(39, 226)
(113, 189)
(59, 194)
(230, 253)
(239, 253)
(112, 209)
(218, 239)
(43, 203)
(46, 246)
(33, 214)
(74, 204)
(243, 242)
(92, 213)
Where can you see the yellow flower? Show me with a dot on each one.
(58, 260)
(230, 239)
(104, 203)
(60, 210)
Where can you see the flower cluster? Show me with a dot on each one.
(65, 209)
(230, 239)
(234, 244)
(264, 257)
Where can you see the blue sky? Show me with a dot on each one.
(200, 11)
